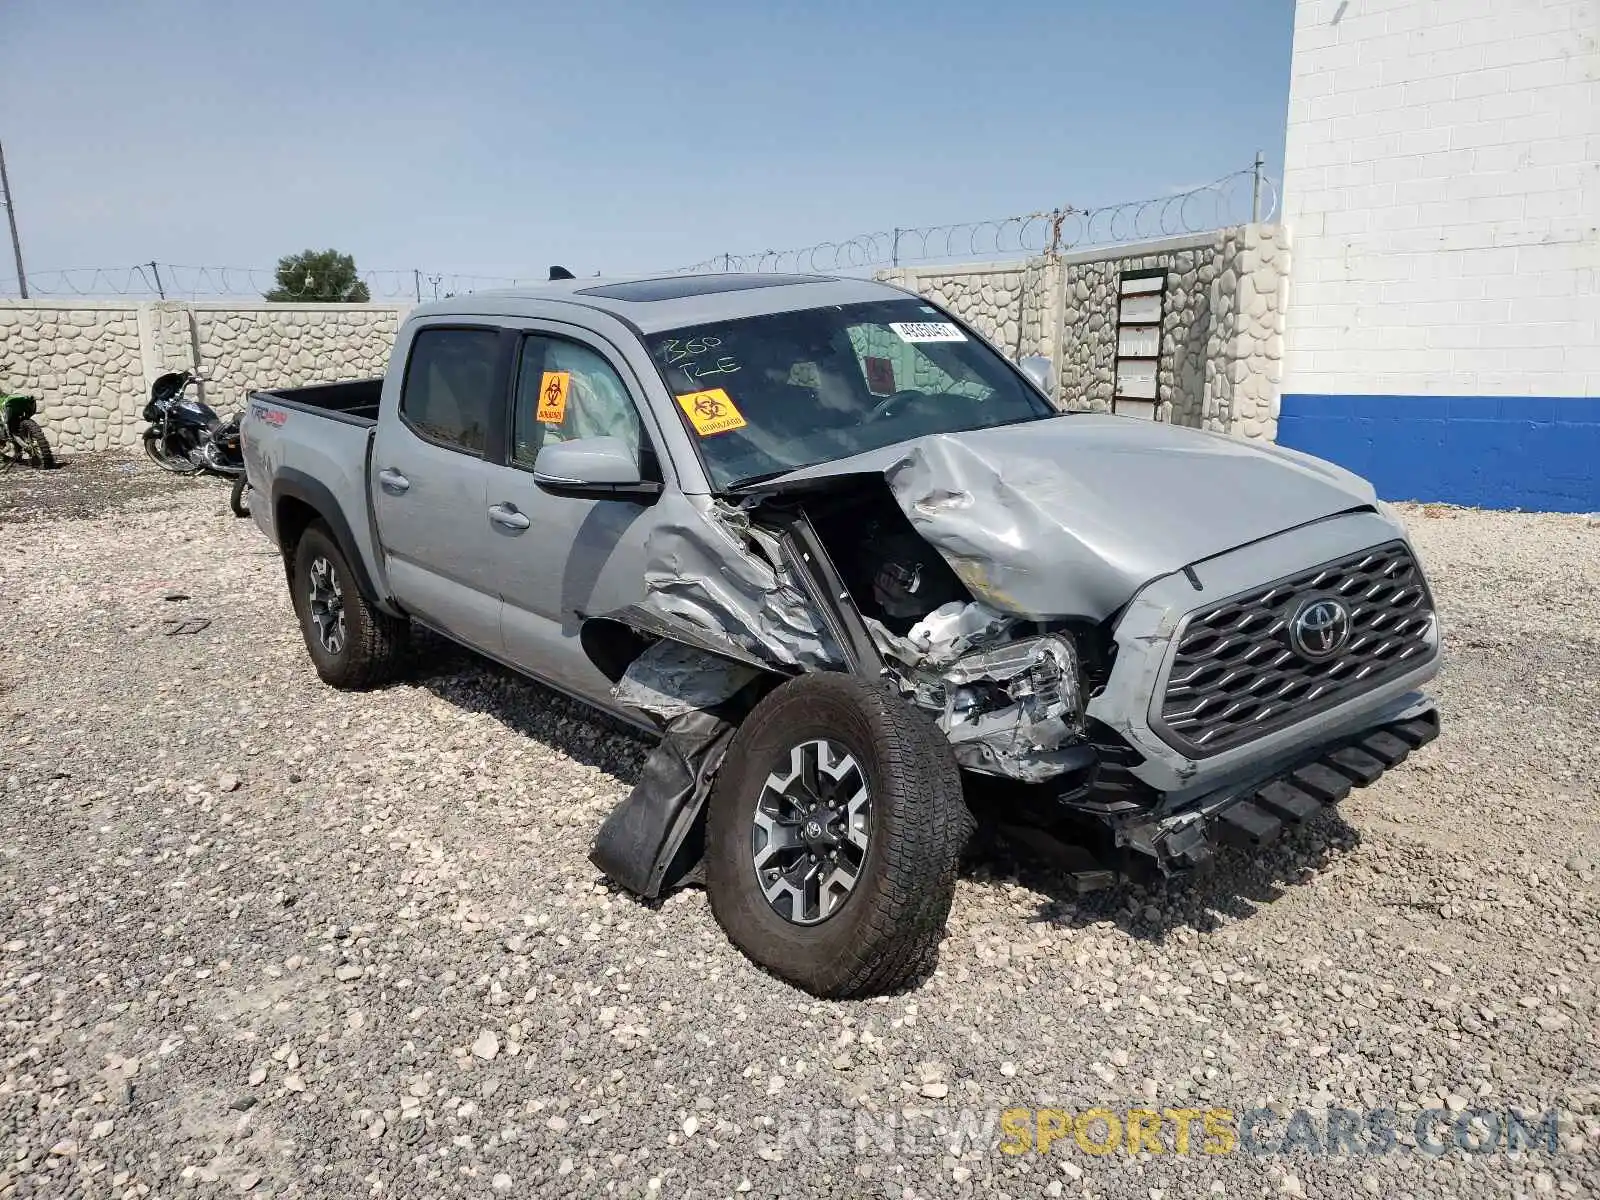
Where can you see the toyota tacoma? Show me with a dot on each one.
(841, 557)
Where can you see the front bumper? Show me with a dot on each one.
(1255, 813)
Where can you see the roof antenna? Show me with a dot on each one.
(560, 273)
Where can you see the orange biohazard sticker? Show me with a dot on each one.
(711, 412)
(553, 397)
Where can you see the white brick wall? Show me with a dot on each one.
(1442, 184)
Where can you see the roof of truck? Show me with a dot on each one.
(656, 303)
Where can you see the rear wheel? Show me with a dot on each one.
(239, 498)
(158, 453)
(833, 835)
(352, 644)
(33, 447)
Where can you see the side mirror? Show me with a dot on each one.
(592, 468)
(1037, 368)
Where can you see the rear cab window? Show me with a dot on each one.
(448, 395)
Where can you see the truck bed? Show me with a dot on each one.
(354, 402)
(312, 445)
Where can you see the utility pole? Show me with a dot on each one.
(1255, 188)
(11, 216)
(416, 278)
(156, 271)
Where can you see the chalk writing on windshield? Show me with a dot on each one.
(696, 357)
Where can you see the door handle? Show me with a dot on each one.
(507, 516)
(393, 481)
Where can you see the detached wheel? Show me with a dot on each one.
(352, 645)
(833, 834)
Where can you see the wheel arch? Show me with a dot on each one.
(298, 500)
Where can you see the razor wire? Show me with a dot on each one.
(1234, 198)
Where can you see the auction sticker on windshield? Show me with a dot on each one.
(711, 411)
(927, 331)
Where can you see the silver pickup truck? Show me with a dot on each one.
(843, 557)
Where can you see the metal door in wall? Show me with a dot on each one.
(1136, 390)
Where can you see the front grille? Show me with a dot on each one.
(1235, 675)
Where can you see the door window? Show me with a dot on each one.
(449, 386)
(567, 391)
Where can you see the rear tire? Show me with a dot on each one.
(885, 930)
(35, 447)
(352, 644)
(239, 498)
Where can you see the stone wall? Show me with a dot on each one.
(290, 347)
(82, 362)
(91, 364)
(1221, 347)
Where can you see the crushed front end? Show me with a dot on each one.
(1224, 702)
(1217, 703)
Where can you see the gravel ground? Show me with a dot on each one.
(263, 937)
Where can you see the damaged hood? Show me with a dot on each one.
(1070, 516)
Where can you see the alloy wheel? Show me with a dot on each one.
(809, 836)
(327, 605)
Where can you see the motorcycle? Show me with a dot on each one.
(185, 435)
(21, 439)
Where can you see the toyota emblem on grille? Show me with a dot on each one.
(1320, 629)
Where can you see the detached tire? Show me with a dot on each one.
(352, 645)
(833, 834)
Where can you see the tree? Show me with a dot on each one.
(321, 277)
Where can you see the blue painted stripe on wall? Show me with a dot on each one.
(1530, 452)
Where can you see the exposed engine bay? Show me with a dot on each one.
(835, 579)
(1007, 694)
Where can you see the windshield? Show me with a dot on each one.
(765, 395)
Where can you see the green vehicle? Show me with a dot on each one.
(21, 439)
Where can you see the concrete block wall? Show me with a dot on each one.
(1442, 178)
(1222, 320)
(91, 364)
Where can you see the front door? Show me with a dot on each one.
(564, 559)
(429, 482)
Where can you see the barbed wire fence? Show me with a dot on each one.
(1247, 195)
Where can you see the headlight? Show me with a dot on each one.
(1038, 675)
(1014, 710)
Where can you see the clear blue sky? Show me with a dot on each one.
(495, 137)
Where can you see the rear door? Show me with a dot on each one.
(429, 479)
(564, 559)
